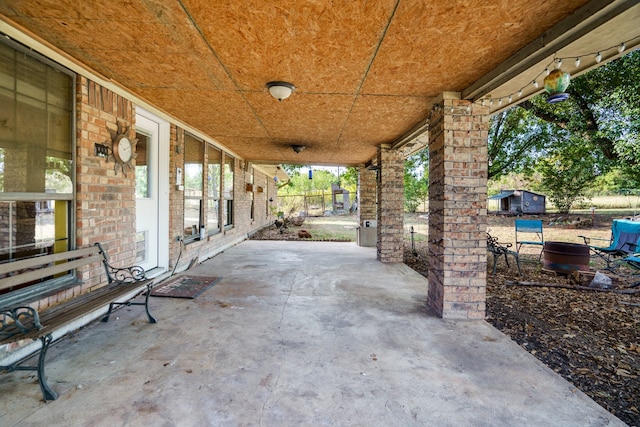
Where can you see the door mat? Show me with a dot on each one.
(185, 286)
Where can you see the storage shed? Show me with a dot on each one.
(519, 202)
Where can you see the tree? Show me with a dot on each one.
(602, 115)
(301, 184)
(567, 174)
(603, 110)
(416, 186)
(517, 138)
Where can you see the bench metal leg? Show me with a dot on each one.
(495, 262)
(47, 392)
(506, 259)
(145, 303)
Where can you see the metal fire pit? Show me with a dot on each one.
(566, 257)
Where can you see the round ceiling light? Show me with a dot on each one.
(280, 90)
(298, 148)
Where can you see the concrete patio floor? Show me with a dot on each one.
(296, 334)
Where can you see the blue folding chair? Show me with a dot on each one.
(624, 241)
(633, 261)
(532, 228)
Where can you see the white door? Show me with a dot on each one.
(150, 192)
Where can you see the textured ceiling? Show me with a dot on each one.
(366, 71)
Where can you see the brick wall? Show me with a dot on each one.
(367, 209)
(390, 213)
(105, 200)
(105, 209)
(458, 208)
(200, 250)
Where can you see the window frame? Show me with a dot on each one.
(65, 201)
(195, 234)
(217, 229)
(228, 209)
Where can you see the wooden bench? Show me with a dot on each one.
(21, 321)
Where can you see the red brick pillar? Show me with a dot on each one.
(366, 194)
(458, 208)
(390, 243)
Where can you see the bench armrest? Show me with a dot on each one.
(21, 319)
(135, 273)
(497, 248)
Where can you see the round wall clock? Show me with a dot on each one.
(122, 148)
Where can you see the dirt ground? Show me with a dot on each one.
(589, 337)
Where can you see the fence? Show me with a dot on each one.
(308, 204)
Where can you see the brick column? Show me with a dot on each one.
(458, 208)
(366, 195)
(390, 243)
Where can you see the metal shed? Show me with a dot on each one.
(520, 201)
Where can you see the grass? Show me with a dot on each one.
(615, 202)
(337, 227)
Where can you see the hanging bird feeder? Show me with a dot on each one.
(555, 84)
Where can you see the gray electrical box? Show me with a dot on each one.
(368, 233)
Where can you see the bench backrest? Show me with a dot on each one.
(32, 269)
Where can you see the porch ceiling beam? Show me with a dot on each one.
(418, 130)
(586, 19)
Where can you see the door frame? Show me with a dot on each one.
(164, 134)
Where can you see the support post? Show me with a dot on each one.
(458, 132)
(390, 243)
(367, 209)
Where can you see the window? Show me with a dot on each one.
(228, 190)
(193, 168)
(213, 189)
(251, 194)
(36, 168)
(142, 165)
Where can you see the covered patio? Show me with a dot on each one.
(370, 83)
(297, 334)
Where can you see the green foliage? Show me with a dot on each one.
(577, 142)
(567, 174)
(416, 185)
(301, 184)
(517, 138)
(616, 181)
(514, 181)
(349, 180)
(292, 169)
(603, 110)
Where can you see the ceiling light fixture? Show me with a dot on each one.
(298, 148)
(280, 90)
